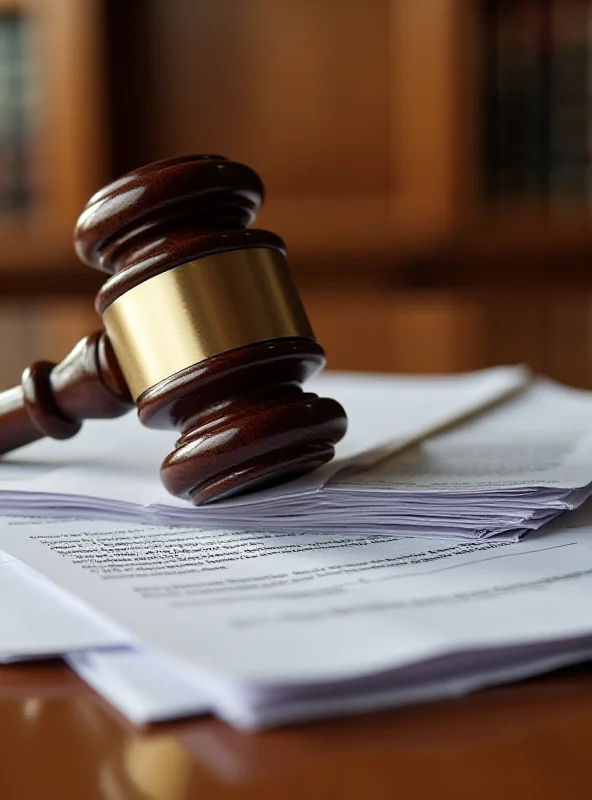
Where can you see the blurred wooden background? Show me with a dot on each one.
(365, 120)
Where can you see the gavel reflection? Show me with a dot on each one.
(203, 332)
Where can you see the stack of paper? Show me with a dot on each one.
(333, 608)
(265, 629)
(518, 454)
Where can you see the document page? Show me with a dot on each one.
(542, 437)
(277, 609)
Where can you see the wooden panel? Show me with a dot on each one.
(37, 330)
(352, 326)
(347, 109)
(374, 328)
(72, 144)
(379, 330)
(430, 108)
(517, 326)
(297, 89)
(436, 332)
(568, 343)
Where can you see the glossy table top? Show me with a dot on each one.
(529, 740)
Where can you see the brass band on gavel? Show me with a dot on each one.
(200, 309)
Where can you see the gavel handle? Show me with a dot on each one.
(53, 399)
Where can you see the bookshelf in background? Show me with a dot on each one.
(53, 156)
(422, 226)
(537, 92)
(52, 142)
(530, 110)
(16, 117)
(347, 110)
(387, 132)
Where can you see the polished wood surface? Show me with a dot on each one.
(527, 741)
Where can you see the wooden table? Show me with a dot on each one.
(531, 741)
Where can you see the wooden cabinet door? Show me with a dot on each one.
(346, 108)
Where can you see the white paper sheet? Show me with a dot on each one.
(144, 686)
(111, 468)
(37, 620)
(501, 473)
(540, 438)
(267, 624)
(147, 687)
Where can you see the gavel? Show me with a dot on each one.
(204, 332)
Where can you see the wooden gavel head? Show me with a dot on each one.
(203, 326)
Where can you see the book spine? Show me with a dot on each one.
(521, 98)
(5, 179)
(15, 120)
(21, 112)
(543, 110)
(568, 116)
(507, 131)
(589, 102)
(491, 156)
